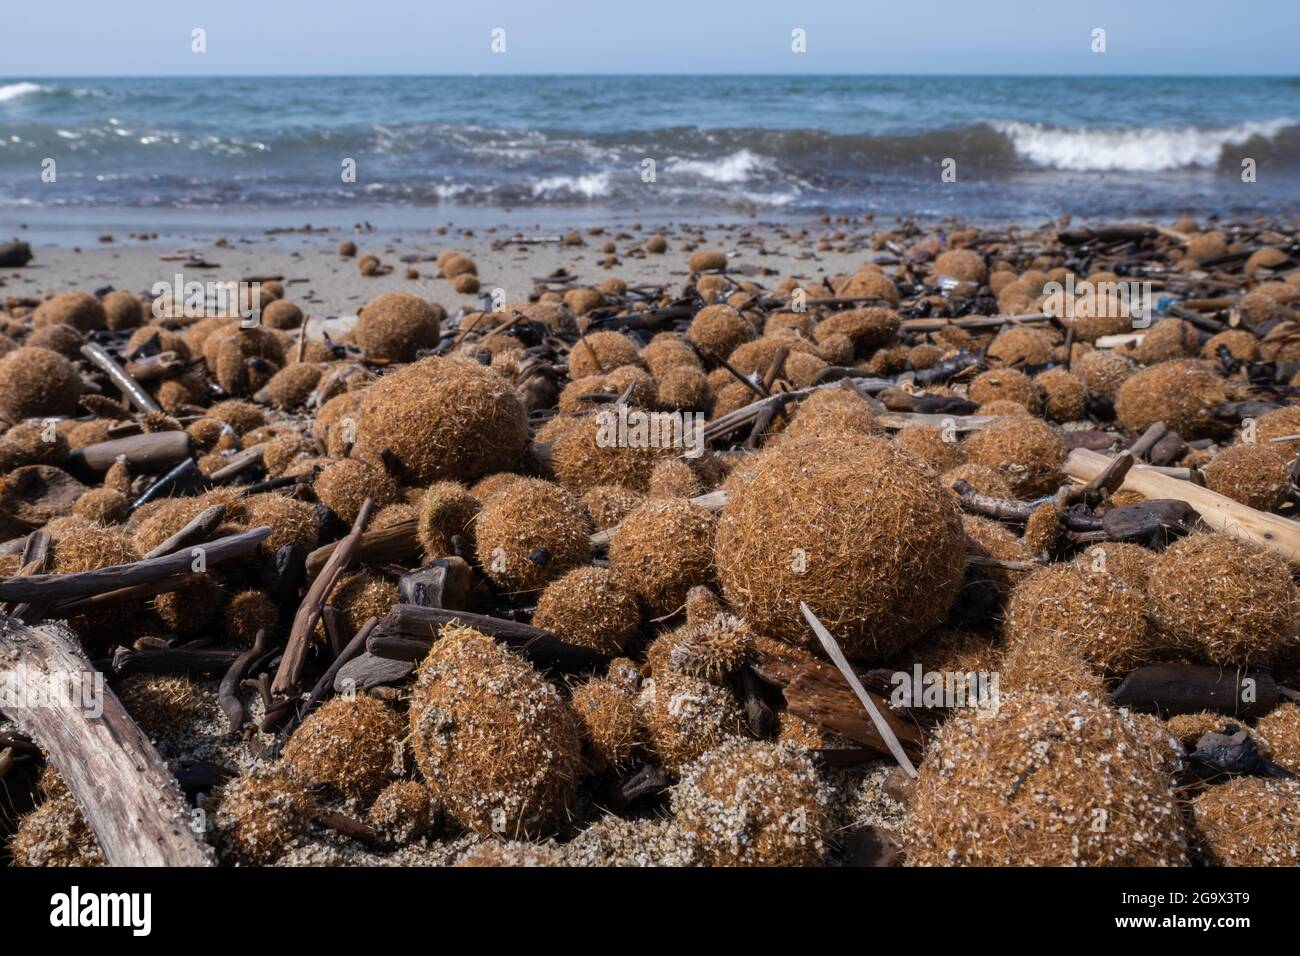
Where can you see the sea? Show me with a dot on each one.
(576, 148)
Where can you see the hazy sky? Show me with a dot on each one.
(152, 37)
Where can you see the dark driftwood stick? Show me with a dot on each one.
(240, 461)
(386, 545)
(1186, 689)
(187, 471)
(68, 587)
(145, 454)
(173, 582)
(125, 383)
(198, 662)
(228, 690)
(1147, 440)
(198, 528)
(129, 798)
(304, 623)
(416, 628)
(36, 555)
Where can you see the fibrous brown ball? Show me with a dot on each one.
(856, 529)
(1131, 563)
(513, 854)
(985, 480)
(1046, 780)
(396, 325)
(1065, 397)
(609, 504)
(442, 418)
(1181, 393)
(291, 386)
(1019, 346)
(102, 505)
(685, 717)
(1104, 371)
(55, 833)
(532, 535)
(987, 538)
(1226, 601)
(673, 478)
(402, 813)
(706, 260)
(350, 743)
(682, 387)
(1005, 384)
(866, 328)
(158, 703)
(362, 595)
(601, 352)
(1096, 613)
(1027, 452)
(710, 646)
(81, 310)
(494, 741)
(663, 549)
(936, 447)
(590, 607)
(36, 382)
(1167, 339)
(719, 330)
(447, 510)
(281, 314)
(611, 723)
(754, 803)
(1250, 821)
(249, 612)
(590, 451)
(1279, 729)
(961, 264)
(291, 521)
(1256, 475)
(122, 310)
(1280, 423)
(193, 608)
(259, 815)
(344, 486)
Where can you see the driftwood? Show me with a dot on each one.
(68, 587)
(1187, 689)
(127, 385)
(145, 454)
(197, 529)
(195, 662)
(1269, 531)
(128, 796)
(407, 632)
(228, 689)
(444, 582)
(384, 546)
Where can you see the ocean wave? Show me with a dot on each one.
(1142, 149)
(589, 186)
(737, 167)
(12, 91)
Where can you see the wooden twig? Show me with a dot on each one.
(198, 528)
(127, 385)
(144, 454)
(195, 662)
(228, 690)
(382, 546)
(289, 674)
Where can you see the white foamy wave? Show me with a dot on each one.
(11, 91)
(1144, 149)
(591, 185)
(735, 167)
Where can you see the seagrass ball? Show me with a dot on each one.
(259, 815)
(35, 382)
(987, 538)
(682, 387)
(601, 352)
(512, 854)
(402, 813)
(1019, 346)
(866, 328)
(362, 595)
(192, 608)
(590, 607)
(344, 485)
(1005, 384)
(291, 521)
(1047, 667)
(1104, 371)
(1249, 821)
(673, 478)
(81, 310)
(858, 530)
(609, 504)
(122, 310)
(1280, 423)
(666, 351)
(663, 549)
(247, 613)
(63, 339)
(1182, 393)
(393, 327)
(1165, 340)
(685, 717)
(1097, 614)
(1046, 780)
(719, 330)
(610, 721)
(1254, 474)
(158, 702)
(754, 803)
(1027, 452)
(587, 452)
(709, 646)
(934, 446)
(985, 480)
(1065, 397)
(1223, 600)
(102, 505)
(964, 265)
(55, 834)
(281, 314)
(291, 386)
(706, 260)
(1131, 563)
(442, 418)
(446, 510)
(531, 536)
(350, 743)
(494, 741)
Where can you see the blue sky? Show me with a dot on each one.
(152, 37)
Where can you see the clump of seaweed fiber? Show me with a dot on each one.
(532, 535)
(441, 418)
(56, 832)
(601, 352)
(1097, 614)
(710, 647)
(590, 607)
(158, 703)
(685, 716)
(403, 812)
(1182, 393)
(493, 739)
(1022, 786)
(1065, 397)
(1027, 452)
(344, 485)
(754, 803)
(662, 550)
(259, 815)
(1249, 821)
(447, 510)
(394, 327)
(1223, 600)
(348, 743)
(856, 529)
(1131, 563)
(36, 381)
(719, 330)
(611, 723)
(1279, 730)
(1256, 475)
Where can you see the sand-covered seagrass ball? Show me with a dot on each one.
(987, 538)
(609, 504)
(685, 716)
(493, 739)
(1104, 371)
(1225, 601)
(710, 646)
(361, 595)
(858, 530)
(158, 702)
(393, 327)
(1255, 474)
(601, 352)
(1027, 452)
(344, 485)
(446, 511)
(442, 418)
(1131, 563)
(754, 803)
(259, 814)
(663, 549)
(611, 723)
(350, 743)
(589, 607)
(1095, 613)
(1280, 423)
(403, 812)
(531, 536)
(1046, 780)
(1249, 821)
(934, 446)
(1279, 730)
(56, 832)
(719, 330)
(1182, 393)
(36, 381)
(674, 478)
(1065, 397)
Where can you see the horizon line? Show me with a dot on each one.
(480, 75)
